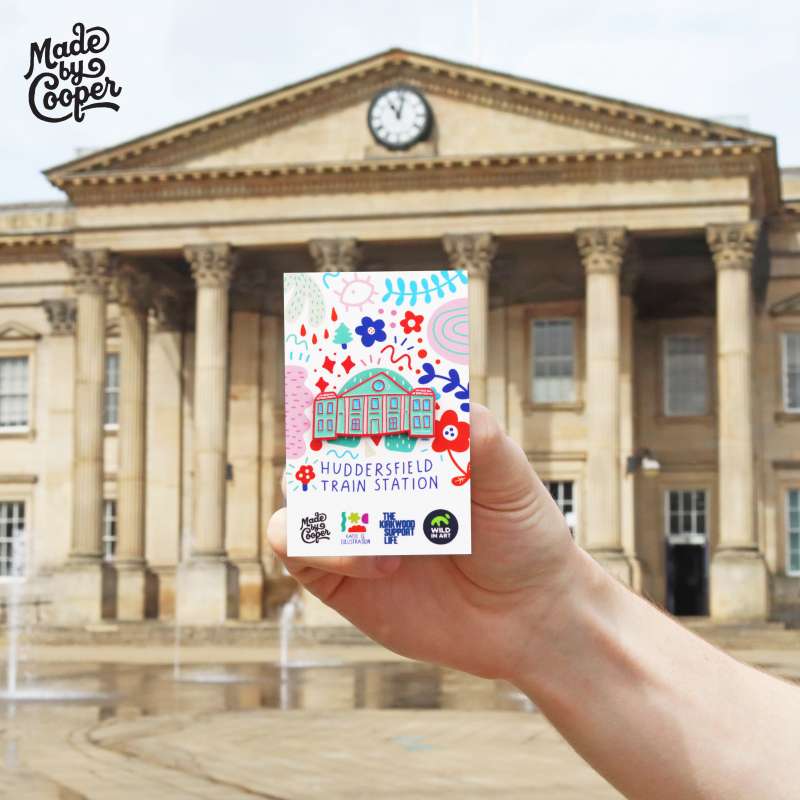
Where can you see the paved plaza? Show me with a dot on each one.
(339, 721)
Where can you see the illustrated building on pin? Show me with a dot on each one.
(378, 405)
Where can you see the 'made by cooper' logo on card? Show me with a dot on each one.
(312, 529)
(68, 78)
(440, 526)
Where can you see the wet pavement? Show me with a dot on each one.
(336, 722)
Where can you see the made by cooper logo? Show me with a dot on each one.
(68, 78)
(312, 529)
(440, 526)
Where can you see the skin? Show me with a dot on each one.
(655, 709)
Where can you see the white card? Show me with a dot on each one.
(377, 413)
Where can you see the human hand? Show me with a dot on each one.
(479, 613)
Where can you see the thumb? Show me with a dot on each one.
(502, 477)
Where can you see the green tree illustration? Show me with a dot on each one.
(342, 336)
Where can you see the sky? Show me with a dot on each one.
(176, 59)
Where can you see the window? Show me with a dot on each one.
(416, 422)
(392, 423)
(375, 402)
(109, 529)
(416, 404)
(12, 539)
(426, 420)
(686, 516)
(790, 369)
(793, 531)
(563, 492)
(330, 425)
(330, 407)
(320, 424)
(355, 424)
(393, 402)
(685, 376)
(111, 409)
(356, 404)
(426, 405)
(378, 386)
(553, 361)
(14, 393)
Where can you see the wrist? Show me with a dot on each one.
(563, 624)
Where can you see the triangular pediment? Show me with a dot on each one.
(476, 112)
(12, 331)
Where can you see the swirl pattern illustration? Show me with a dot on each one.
(448, 331)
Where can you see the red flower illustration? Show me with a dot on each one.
(450, 434)
(305, 475)
(412, 323)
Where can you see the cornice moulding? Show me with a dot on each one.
(412, 173)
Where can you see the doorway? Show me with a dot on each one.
(686, 556)
(687, 579)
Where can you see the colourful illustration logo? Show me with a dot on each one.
(312, 529)
(354, 527)
(393, 528)
(354, 522)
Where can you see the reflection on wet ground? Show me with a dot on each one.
(154, 690)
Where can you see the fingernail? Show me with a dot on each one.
(386, 565)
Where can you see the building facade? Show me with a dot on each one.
(635, 326)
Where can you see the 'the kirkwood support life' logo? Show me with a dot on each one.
(68, 75)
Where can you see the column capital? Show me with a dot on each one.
(169, 309)
(473, 252)
(602, 249)
(92, 270)
(335, 255)
(62, 315)
(212, 265)
(133, 287)
(732, 246)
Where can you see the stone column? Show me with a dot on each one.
(207, 590)
(602, 251)
(58, 435)
(475, 253)
(627, 436)
(330, 255)
(133, 301)
(335, 255)
(244, 511)
(165, 443)
(86, 583)
(739, 580)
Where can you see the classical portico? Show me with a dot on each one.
(618, 289)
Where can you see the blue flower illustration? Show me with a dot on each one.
(371, 331)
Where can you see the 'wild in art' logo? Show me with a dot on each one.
(68, 78)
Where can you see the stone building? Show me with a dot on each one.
(635, 304)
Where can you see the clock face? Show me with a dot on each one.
(399, 117)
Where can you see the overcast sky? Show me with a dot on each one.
(176, 59)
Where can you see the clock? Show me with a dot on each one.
(399, 117)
